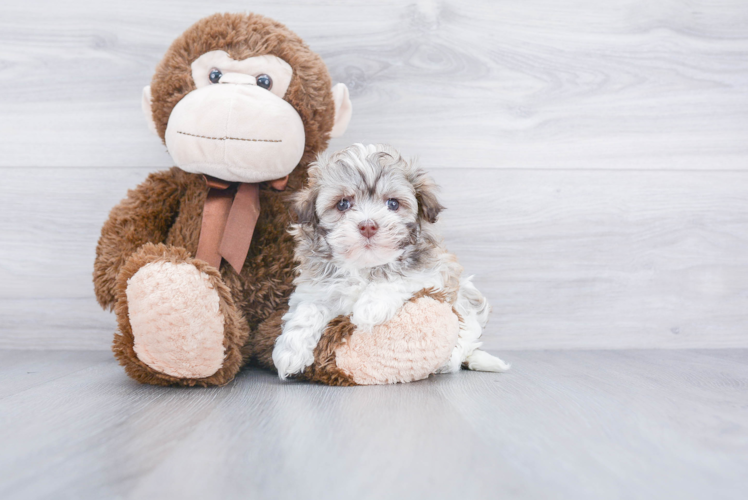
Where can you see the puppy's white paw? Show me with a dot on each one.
(483, 362)
(369, 312)
(290, 357)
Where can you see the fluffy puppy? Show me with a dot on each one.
(366, 242)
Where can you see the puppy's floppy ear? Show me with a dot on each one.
(428, 205)
(304, 205)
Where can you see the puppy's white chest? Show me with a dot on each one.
(366, 290)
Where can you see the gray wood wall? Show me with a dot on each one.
(593, 156)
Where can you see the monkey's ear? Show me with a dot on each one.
(343, 109)
(147, 111)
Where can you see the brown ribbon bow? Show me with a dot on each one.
(230, 215)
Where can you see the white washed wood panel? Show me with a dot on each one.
(534, 84)
(569, 259)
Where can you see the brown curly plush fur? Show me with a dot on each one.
(324, 370)
(161, 218)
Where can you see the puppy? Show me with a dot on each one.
(366, 242)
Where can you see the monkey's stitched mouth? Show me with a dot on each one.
(226, 138)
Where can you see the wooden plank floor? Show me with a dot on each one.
(560, 424)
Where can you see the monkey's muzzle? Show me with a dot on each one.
(234, 132)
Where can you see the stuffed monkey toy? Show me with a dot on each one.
(197, 262)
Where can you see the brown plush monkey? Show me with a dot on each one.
(197, 262)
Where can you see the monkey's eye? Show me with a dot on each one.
(215, 75)
(393, 204)
(344, 204)
(265, 82)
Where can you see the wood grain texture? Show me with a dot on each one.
(535, 84)
(568, 259)
(592, 154)
(583, 425)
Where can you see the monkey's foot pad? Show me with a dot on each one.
(175, 318)
(409, 347)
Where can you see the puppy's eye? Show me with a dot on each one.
(265, 82)
(215, 75)
(344, 205)
(393, 204)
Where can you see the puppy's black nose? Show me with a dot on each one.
(368, 228)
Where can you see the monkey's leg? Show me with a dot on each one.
(409, 347)
(262, 341)
(177, 321)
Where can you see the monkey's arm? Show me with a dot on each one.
(145, 215)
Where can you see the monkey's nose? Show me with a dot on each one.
(368, 228)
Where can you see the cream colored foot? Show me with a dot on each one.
(175, 319)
